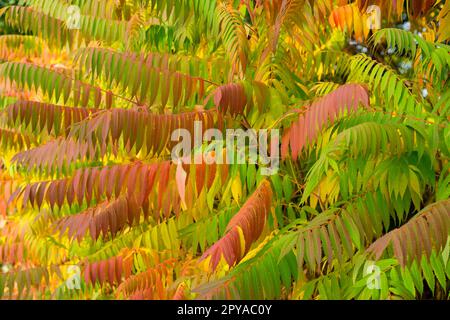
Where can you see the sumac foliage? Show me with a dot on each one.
(126, 135)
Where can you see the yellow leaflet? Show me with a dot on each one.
(154, 237)
(138, 241)
(252, 253)
(174, 232)
(222, 267)
(236, 188)
(139, 262)
(201, 207)
(165, 236)
(147, 239)
(204, 266)
(241, 240)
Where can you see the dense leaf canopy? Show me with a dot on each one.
(93, 207)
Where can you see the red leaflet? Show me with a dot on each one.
(427, 230)
(250, 219)
(11, 252)
(180, 294)
(320, 113)
(86, 94)
(109, 99)
(231, 98)
(150, 187)
(110, 270)
(138, 127)
(101, 219)
(55, 154)
(97, 97)
(152, 284)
